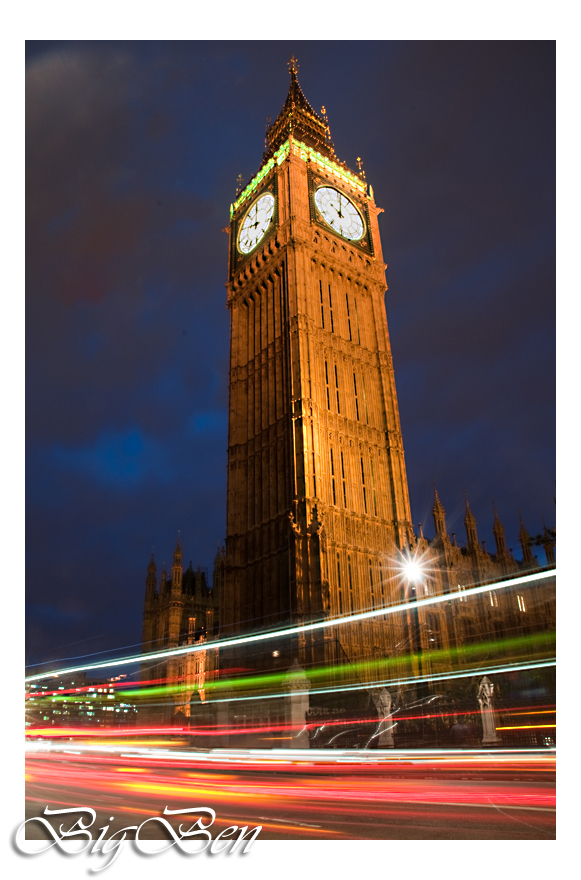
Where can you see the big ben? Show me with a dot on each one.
(318, 506)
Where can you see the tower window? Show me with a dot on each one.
(365, 399)
(356, 400)
(350, 582)
(327, 384)
(343, 478)
(521, 603)
(313, 457)
(434, 637)
(357, 322)
(322, 309)
(371, 583)
(348, 317)
(339, 585)
(363, 484)
(314, 476)
(373, 488)
(331, 310)
(333, 478)
(493, 599)
(337, 389)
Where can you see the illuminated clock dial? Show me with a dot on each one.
(256, 223)
(340, 213)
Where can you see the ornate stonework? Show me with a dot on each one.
(314, 435)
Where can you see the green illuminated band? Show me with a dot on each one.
(305, 153)
(278, 157)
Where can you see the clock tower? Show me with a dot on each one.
(318, 506)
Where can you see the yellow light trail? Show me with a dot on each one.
(527, 727)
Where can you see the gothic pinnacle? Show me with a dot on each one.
(293, 67)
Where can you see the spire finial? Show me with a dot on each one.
(239, 184)
(293, 66)
(359, 165)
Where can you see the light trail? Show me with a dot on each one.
(270, 757)
(527, 727)
(445, 676)
(470, 673)
(221, 730)
(294, 630)
(415, 679)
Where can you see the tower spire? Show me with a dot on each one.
(549, 545)
(293, 66)
(150, 580)
(525, 543)
(177, 568)
(439, 515)
(470, 524)
(499, 535)
(298, 118)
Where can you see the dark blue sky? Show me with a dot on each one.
(133, 151)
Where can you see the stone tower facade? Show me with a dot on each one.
(318, 513)
(318, 503)
(181, 610)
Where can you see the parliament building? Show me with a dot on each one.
(318, 510)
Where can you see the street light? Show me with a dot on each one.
(414, 573)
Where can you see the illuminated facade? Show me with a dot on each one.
(318, 503)
(318, 512)
(182, 610)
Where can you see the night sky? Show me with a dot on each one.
(133, 153)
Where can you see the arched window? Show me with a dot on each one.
(350, 582)
(333, 477)
(339, 585)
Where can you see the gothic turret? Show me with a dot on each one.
(439, 517)
(549, 545)
(471, 533)
(150, 582)
(525, 543)
(177, 569)
(499, 536)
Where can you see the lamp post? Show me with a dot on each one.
(414, 577)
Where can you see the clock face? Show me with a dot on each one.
(256, 223)
(340, 213)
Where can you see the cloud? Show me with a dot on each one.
(124, 458)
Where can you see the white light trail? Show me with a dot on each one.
(293, 630)
(543, 756)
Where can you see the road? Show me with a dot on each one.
(303, 795)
